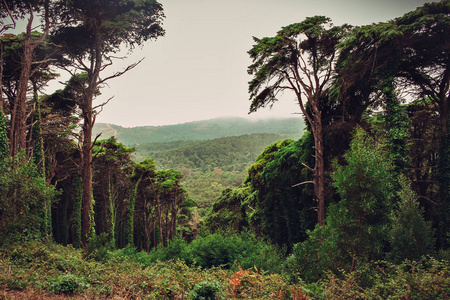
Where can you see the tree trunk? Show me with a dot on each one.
(146, 235)
(89, 120)
(356, 248)
(18, 115)
(161, 237)
(86, 173)
(319, 168)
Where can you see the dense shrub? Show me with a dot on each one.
(206, 290)
(213, 250)
(68, 284)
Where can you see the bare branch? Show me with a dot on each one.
(308, 167)
(117, 74)
(9, 26)
(302, 183)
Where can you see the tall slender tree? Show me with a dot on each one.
(300, 59)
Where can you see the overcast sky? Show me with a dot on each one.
(198, 70)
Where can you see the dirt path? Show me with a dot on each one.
(115, 131)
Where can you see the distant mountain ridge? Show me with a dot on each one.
(199, 130)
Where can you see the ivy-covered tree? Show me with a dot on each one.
(143, 179)
(4, 149)
(300, 59)
(279, 206)
(112, 160)
(228, 211)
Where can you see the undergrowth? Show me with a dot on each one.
(44, 270)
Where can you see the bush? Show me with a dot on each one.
(68, 284)
(206, 290)
(99, 247)
(228, 250)
(213, 250)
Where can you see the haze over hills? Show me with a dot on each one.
(200, 130)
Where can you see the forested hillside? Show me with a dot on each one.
(350, 202)
(208, 166)
(199, 130)
(213, 154)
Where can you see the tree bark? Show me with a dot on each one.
(86, 173)
(319, 170)
(18, 115)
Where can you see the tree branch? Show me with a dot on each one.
(117, 74)
(302, 183)
(308, 167)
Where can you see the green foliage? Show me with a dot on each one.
(36, 139)
(443, 177)
(206, 290)
(68, 284)
(313, 258)
(356, 229)
(214, 250)
(4, 144)
(396, 128)
(410, 237)
(99, 247)
(24, 197)
(76, 216)
(276, 59)
(365, 185)
(228, 211)
(282, 212)
(234, 153)
(205, 187)
(424, 279)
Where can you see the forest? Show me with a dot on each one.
(356, 208)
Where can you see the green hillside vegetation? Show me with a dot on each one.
(208, 166)
(199, 130)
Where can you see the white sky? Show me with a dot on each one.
(198, 70)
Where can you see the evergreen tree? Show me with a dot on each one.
(365, 185)
(410, 236)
